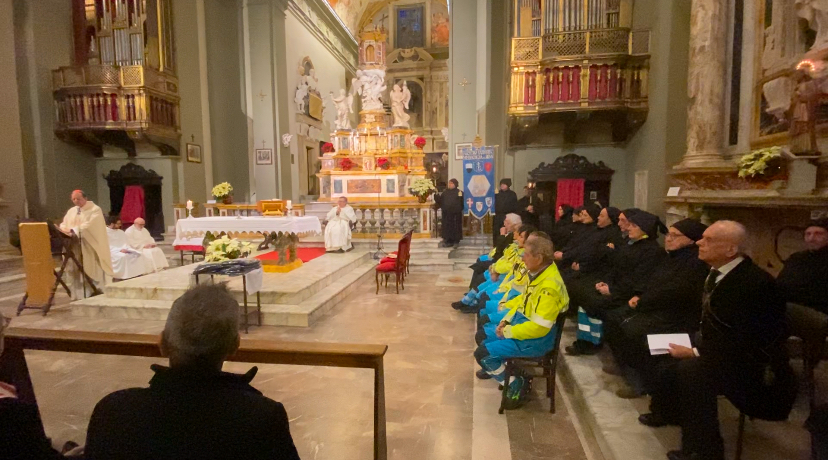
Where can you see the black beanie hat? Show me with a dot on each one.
(650, 223)
(613, 214)
(823, 223)
(690, 228)
(593, 210)
(454, 181)
(508, 182)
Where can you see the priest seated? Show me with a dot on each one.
(338, 228)
(126, 262)
(139, 238)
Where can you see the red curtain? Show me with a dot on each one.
(133, 207)
(571, 192)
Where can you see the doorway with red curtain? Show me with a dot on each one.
(569, 192)
(136, 192)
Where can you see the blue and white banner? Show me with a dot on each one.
(478, 180)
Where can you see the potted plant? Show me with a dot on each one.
(764, 165)
(327, 147)
(420, 142)
(223, 192)
(422, 189)
(383, 163)
(346, 164)
(226, 248)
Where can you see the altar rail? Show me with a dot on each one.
(14, 370)
(393, 219)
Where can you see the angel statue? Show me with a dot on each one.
(299, 98)
(370, 84)
(816, 13)
(399, 103)
(344, 107)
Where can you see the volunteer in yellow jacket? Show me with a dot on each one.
(528, 330)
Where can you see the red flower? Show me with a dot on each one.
(383, 163)
(346, 164)
(327, 147)
(420, 142)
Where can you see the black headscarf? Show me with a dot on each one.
(690, 228)
(650, 223)
(593, 210)
(567, 213)
(613, 214)
(823, 223)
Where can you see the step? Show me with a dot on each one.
(430, 265)
(470, 252)
(301, 315)
(463, 264)
(430, 253)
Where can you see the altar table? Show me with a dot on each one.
(189, 233)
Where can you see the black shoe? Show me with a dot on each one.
(482, 375)
(653, 420)
(469, 310)
(589, 348)
(458, 305)
(574, 349)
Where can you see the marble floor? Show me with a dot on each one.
(436, 409)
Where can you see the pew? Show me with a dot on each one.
(13, 368)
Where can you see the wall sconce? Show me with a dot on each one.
(286, 139)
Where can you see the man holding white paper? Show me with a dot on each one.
(738, 353)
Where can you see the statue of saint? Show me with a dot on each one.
(370, 84)
(803, 115)
(399, 103)
(344, 107)
(299, 99)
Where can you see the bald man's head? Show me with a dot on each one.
(79, 198)
(722, 242)
(139, 223)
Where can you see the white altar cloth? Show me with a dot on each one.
(190, 232)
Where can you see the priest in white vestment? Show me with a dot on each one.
(126, 262)
(86, 221)
(338, 229)
(139, 238)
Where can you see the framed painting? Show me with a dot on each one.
(264, 156)
(193, 153)
(458, 149)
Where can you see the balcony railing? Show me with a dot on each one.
(582, 43)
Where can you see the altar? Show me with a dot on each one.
(190, 233)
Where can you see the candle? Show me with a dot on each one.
(289, 204)
(189, 204)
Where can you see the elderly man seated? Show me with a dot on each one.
(139, 238)
(528, 329)
(192, 409)
(510, 223)
(126, 262)
(338, 228)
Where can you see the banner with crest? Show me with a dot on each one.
(478, 180)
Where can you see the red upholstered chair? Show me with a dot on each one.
(395, 266)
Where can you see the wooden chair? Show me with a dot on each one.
(395, 266)
(547, 364)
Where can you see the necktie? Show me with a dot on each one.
(710, 283)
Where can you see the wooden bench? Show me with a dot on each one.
(13, 368)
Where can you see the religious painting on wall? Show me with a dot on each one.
(364, 186)
(193, 153)
(264, 156)
(439, 25)
(409, 32)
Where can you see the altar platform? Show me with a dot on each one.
(297, 298)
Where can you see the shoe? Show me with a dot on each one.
(627, 393)
(469, 310)
(589, 348)
(457, 305)
(517, 394)
(654, 420)
(482, 375)
(573, 350)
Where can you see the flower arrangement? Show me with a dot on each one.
(225, 248)
(422, 189)
(346, 164)
(327, 147)
(383, 163)
(420, 142)
(767, 162)
(223, 191)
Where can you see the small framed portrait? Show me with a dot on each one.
(458, 150)
(193, 153)
(264, 156)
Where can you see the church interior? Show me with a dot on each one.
(443, 229)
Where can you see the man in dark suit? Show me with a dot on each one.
(193, 410)
(738, 352)
(505, 202)
(451, 205)
(528, 209)
(804, 279)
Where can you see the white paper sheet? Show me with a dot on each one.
(660, 343)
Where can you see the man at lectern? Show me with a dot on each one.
(86, 221)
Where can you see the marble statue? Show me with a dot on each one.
(344, 107)
(370, 84)
(399, 104)
(816, 13)
(301, 94)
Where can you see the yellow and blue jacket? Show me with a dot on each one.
(545, 298)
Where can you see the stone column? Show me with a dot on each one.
(706, 84)
(463, 79)
(12, 185)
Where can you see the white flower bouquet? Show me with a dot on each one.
(225, 248)
(422, 189)
(762, 162)
(222, 190)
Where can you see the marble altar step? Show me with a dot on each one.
(302, 314)
(288, 288)
(463, 264)
(469, 252)
(435, 265)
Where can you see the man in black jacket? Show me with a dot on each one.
(738, 351)
(193, 410)
(528, 209)
(505, 202)
(804, 279)
(451, 205)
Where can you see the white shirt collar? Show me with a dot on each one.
(728, 267)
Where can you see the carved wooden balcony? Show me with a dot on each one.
(597, 69)
(104, 104)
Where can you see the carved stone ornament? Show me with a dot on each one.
(286, 139)
(717, 181)
(572, 166)
(133, 174)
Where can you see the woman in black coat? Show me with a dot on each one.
(564, 226)
(451, 205)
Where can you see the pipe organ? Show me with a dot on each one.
(122, 87)
(577, 55)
